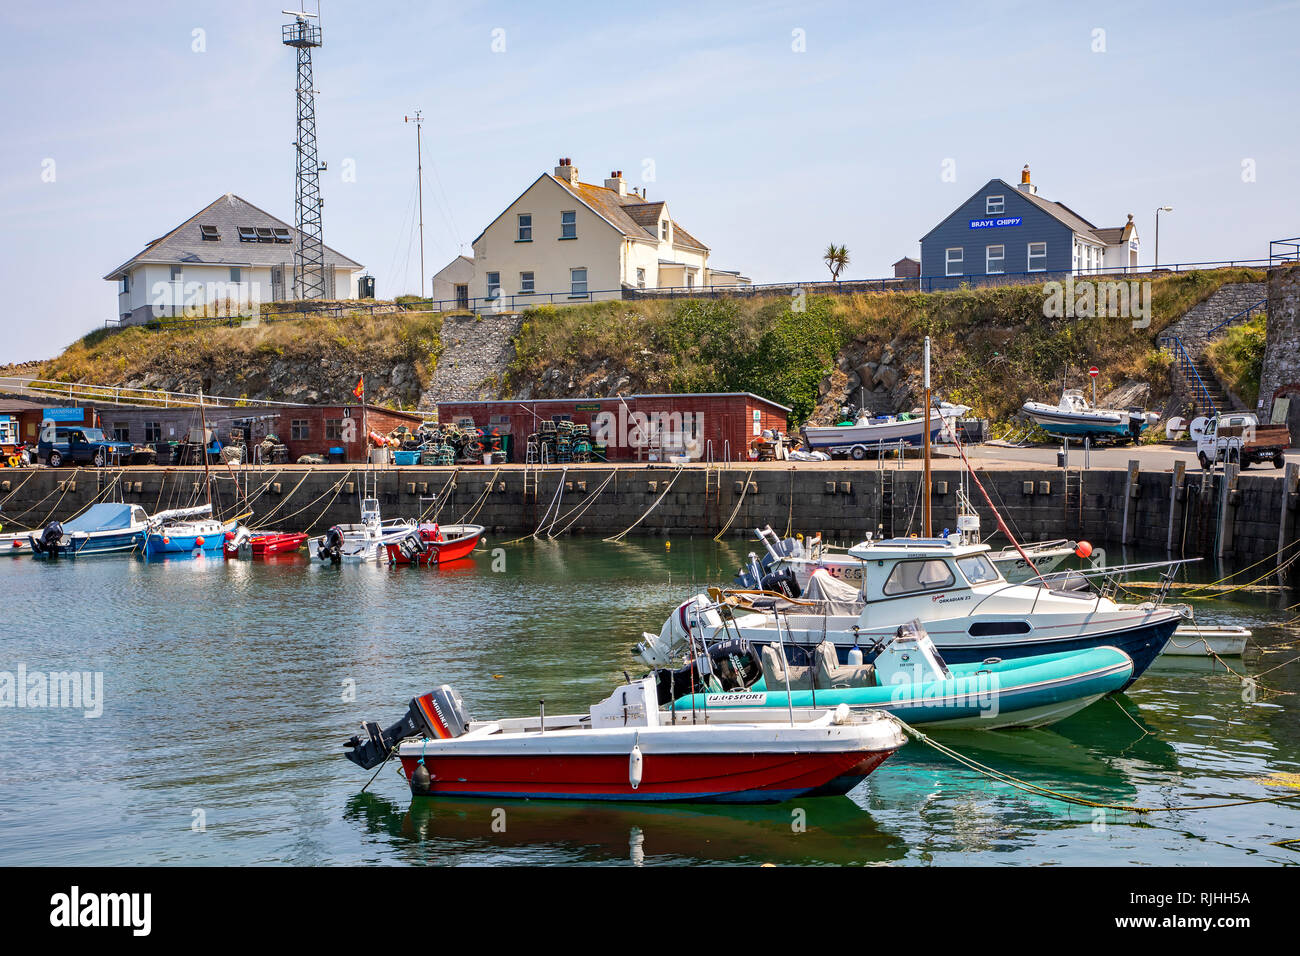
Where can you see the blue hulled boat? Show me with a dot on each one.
(100, 529)
(187, 531)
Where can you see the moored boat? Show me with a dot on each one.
(187, 531)
(359, 542)
(265, 544)
(622, 750)
(104, 528)
(431, 544)
(1192, 640)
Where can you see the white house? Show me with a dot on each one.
(563, 239)
(224, 258)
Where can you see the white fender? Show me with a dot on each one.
(635, 766)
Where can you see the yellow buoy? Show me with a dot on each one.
(668, 545)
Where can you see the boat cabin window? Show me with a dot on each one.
(923, 575)
(978, 569)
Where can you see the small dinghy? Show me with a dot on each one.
(908, 678)
(623, 750)
(1073, 417)
(431, 544)
(1190, 640)
(264, 544)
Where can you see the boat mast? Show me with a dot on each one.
(203, 441)
(925, 494)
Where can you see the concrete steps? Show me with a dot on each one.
(475, 352)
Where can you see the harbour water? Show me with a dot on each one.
(229, 686)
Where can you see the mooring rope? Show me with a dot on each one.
(736, 510)
(668, 487)
(581, 509)
(475, 508)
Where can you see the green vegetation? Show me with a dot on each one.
(1238, 359)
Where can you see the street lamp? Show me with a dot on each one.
(1159, 210)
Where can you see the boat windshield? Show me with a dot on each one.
(923, 575)
(978, 569)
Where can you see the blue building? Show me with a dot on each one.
(1006, 231)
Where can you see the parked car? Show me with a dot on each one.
(81, 445)
(1239, 435)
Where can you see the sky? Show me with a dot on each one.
(772, 129)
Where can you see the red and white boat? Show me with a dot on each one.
(430, 544)
(263, 544)
(625, 749)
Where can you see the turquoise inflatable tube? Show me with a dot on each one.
(1024, 692)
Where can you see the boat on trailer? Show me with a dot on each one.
(623, 750)
(1074, 417)
(432, 544)
(867, 433)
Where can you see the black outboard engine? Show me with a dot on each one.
(331, 547)
(438, 715)
(412, 546)
(784, 581)
(49, 540)
(734, 663)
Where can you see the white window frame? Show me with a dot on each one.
(949, 261)
(527, 283)
(525, 228)
(574, 291)
(1030, 256)
(990, 259)
(569, 227)
(665, 230)
(994, 205)
(640, 278)
(493, 288)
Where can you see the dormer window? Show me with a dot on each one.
(247, 234)
(995, 205)
(282, 235)
(209, 233)
(264, 234)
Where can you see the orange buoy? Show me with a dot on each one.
(1083, 549)
(198, 542)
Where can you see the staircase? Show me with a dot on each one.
(475, 352)
(1195, 331)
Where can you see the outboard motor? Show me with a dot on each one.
(734, 663)
(49, 540)
(784, 582)
(331, 547)
(438, 715)
(412, 546)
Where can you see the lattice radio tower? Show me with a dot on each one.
(309, 255)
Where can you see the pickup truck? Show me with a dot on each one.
(79, 444)
(1239, 436)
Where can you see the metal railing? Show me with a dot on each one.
(1186, 367)
(1284, 250)
(1244, 313)
(123, 395)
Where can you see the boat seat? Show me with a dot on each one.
(774, 671)
(832, 674)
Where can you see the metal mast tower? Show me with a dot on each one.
(309, 255)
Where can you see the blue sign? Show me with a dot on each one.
(65, 414)
(995, 223)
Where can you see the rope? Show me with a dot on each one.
(983, 769)
(668, 487)
(329, 504)
(736, 510)
(19, 488)
(1277, 569)
(470, 515)
(438, 499)
(287, 498)
(789, 518)
(582, 508)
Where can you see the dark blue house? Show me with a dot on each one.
(1010, 233)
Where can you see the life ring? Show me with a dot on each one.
(14, 461)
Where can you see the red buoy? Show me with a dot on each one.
(198, 542)
(1083, 549)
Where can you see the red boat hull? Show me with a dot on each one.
(265, 544)
(708, 778)
(436, 550)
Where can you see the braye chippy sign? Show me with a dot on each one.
(996, 223)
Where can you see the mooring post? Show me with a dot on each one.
(1227, 507)
(1130, 493)
(1286, 512)
(1175, 483)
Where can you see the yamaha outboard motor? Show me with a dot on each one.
(49, 540)
(331, 546)
(412, 546)
(784, 582)
(438, 715)
(734, 663)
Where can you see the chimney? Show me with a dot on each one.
(616, 182)
(1025, 185)
(567, 171)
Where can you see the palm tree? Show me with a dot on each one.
(837, 259)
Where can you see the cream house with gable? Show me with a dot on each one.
(565, 240)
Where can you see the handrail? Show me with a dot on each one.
(122, 394)
(1187, 368)
(1247, 311)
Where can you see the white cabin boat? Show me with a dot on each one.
(365, 541)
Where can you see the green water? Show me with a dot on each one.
(229, 686)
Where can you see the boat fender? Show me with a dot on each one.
(421, 780)
(635, 765)
(198, 542)
(1083, 549)
(841, 714)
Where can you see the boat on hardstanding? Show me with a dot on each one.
(867, 433)
(104, 528)
(187, 531)
(1074, 417)
(970, 611)
(623, 749)
(907, 678)
(364, 541)
(432, 544)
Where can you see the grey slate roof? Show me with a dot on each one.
(185, 243)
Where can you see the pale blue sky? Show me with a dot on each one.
(764, 153)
